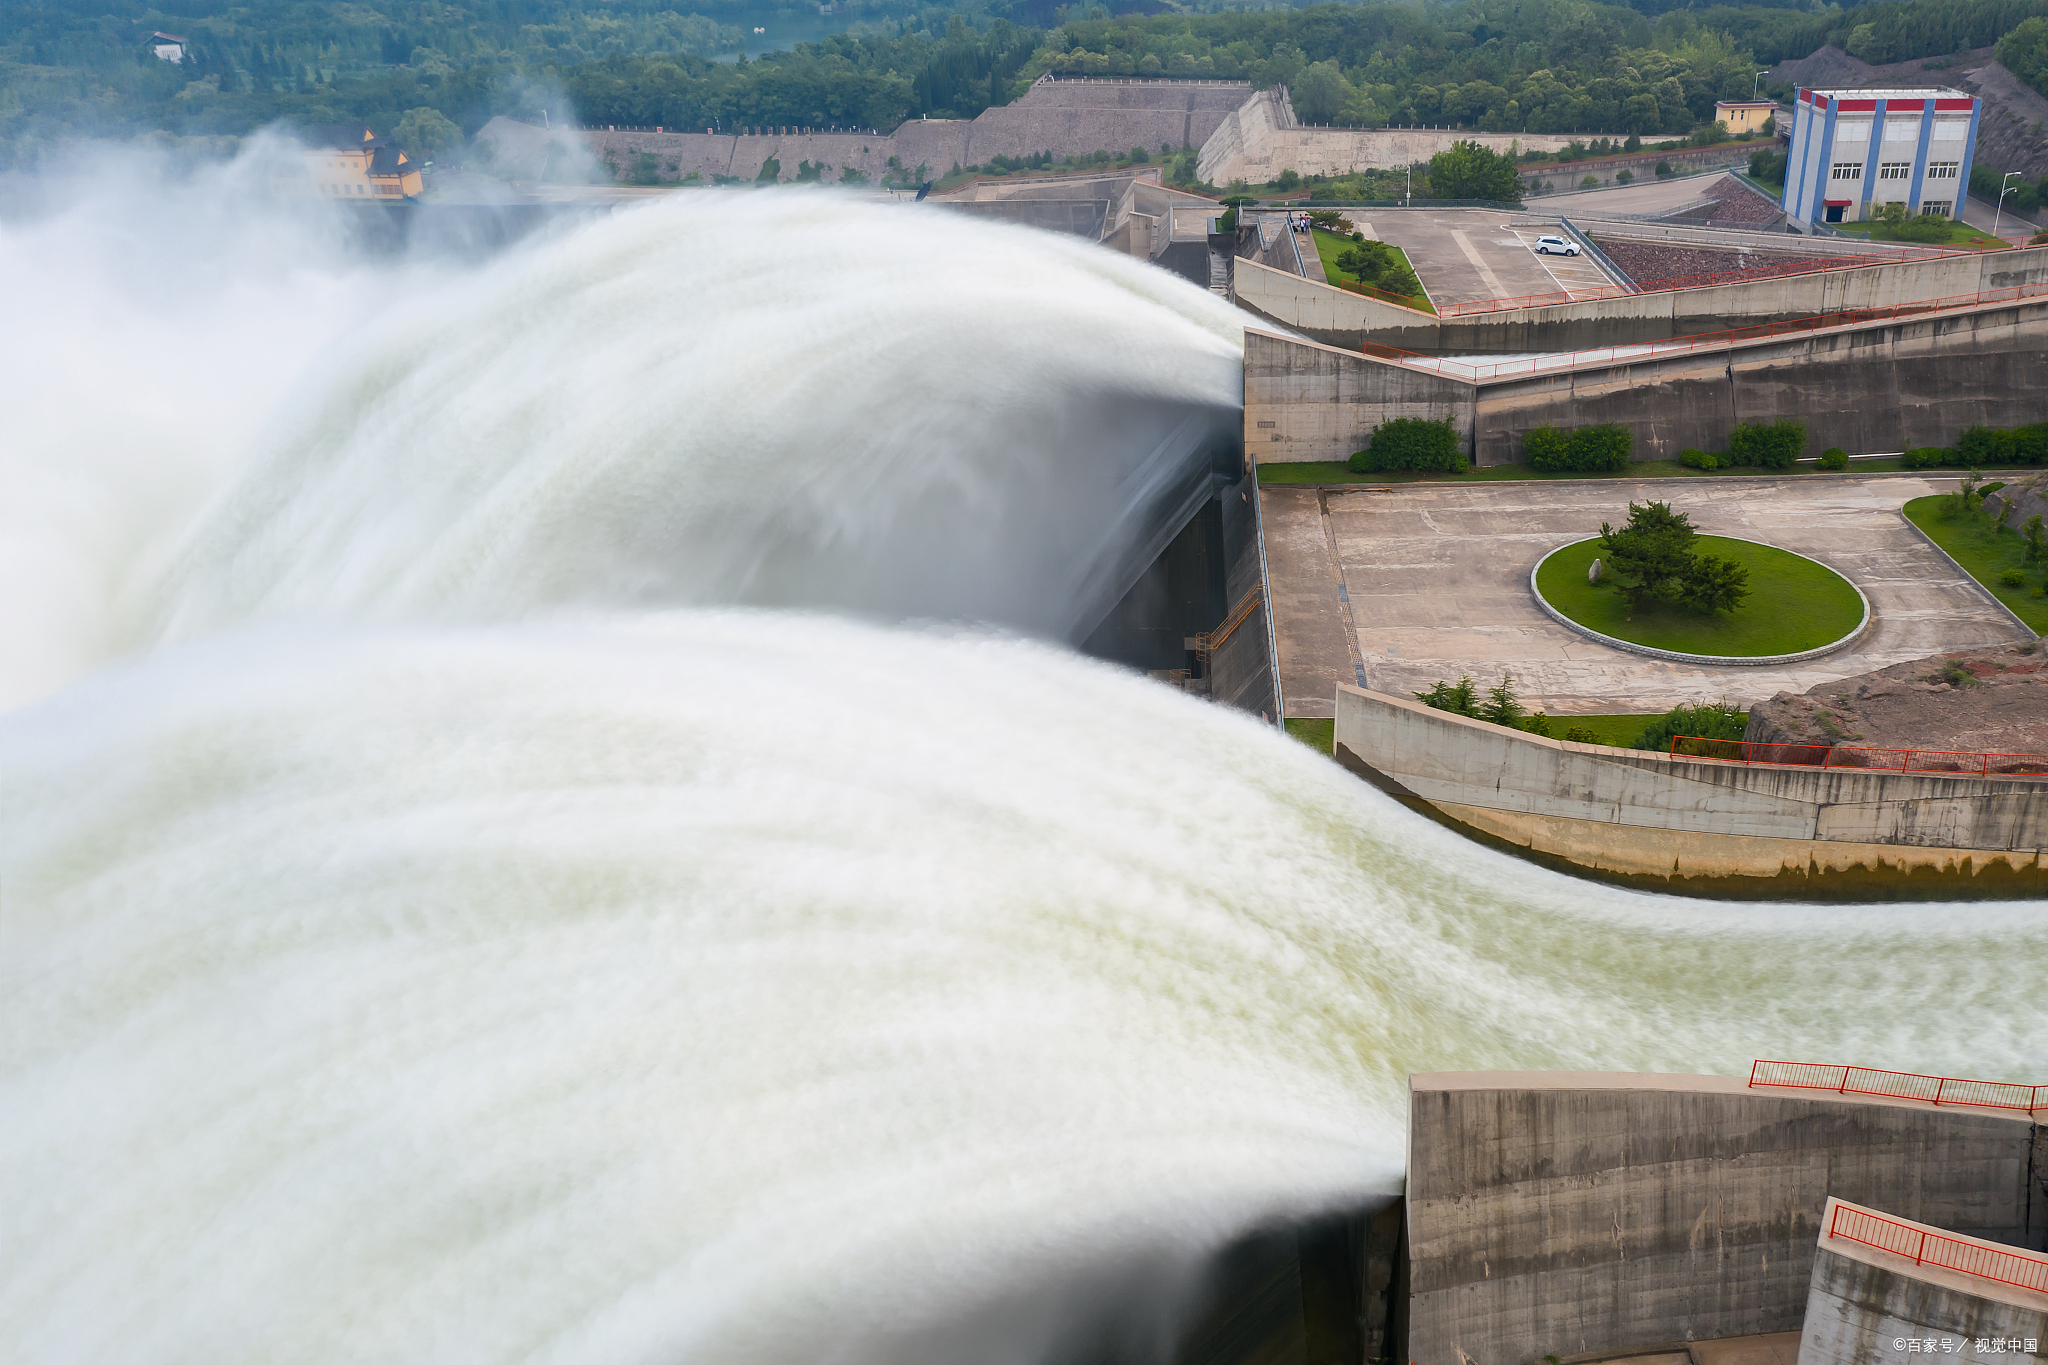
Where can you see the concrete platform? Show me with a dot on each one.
(1395, 587)
(1761, 1348)
(1464, 254)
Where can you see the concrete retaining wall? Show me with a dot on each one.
(1262, 138)
(1349, 319)
(1878, 386)
(1309, 402)
(1701, 827)
(1568, 1213)
(1863, 1301)
(1065, 118)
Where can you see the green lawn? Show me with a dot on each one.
(1985, 552)
(1794, 603)
(1329, 245)
(1319, 733)
(1959, 234)
(1618, 730)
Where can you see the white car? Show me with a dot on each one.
(1546, 246)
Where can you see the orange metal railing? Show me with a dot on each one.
(1861, 756)
(1929, 1246)
(1898, 1085)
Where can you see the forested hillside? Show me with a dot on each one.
(437, 71)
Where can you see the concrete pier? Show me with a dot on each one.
(1865, 1300)
(1555, 1213)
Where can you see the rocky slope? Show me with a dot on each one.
(1991, 700)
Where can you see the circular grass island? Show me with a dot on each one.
(1796, 606)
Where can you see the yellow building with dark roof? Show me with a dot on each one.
(349, 161)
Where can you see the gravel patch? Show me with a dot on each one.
(1656, 263)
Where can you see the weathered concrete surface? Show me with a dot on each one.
(1262, 138)
(1566, 1213)
(1307, 402)
(1435, 580)
(1700, 827)
(1638, 318)
(1241, 660)
(1868, 386)
(1071, 117)
(1862, 1301)
(1312, 632)
(1876, 386)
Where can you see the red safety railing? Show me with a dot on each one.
(1930, 1246)
(1870, 758)
(1809, 265)
(1657, 350)
(1899, 1085)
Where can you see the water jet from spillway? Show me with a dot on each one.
(472, 915)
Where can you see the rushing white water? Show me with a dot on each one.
(445, 928)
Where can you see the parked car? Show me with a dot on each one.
(1556, 246)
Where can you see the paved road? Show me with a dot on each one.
(1418, 582)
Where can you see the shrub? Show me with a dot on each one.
(1579, 734)
(1548, 449)
(1985, 445)
(1709, 720)
(1769, 445)
(1663, 168)
(1697, 459)
(2038, 239)
(1604, 448)
(1654, 564)
(2013, 578)
(1834, 457)
(1501, 706)
(1924, 457)
(1586, 450)
(1461, 698)
(2030, 444)
(1411, 443)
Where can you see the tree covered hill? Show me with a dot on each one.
(436, 71)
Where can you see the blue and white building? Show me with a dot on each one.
(1855, 151)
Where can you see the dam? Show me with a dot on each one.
(561, 819)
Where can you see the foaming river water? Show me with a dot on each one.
(514, 846)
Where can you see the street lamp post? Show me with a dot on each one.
(1755, 83)
(2004, 188)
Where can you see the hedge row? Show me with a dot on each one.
(1411, 443)
(1584, 450)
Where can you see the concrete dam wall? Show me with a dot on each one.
(1263, 138)
(1701, 827)
(1337, 317)
(1074, 117)
(1568, 1213)
(1885, 385)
